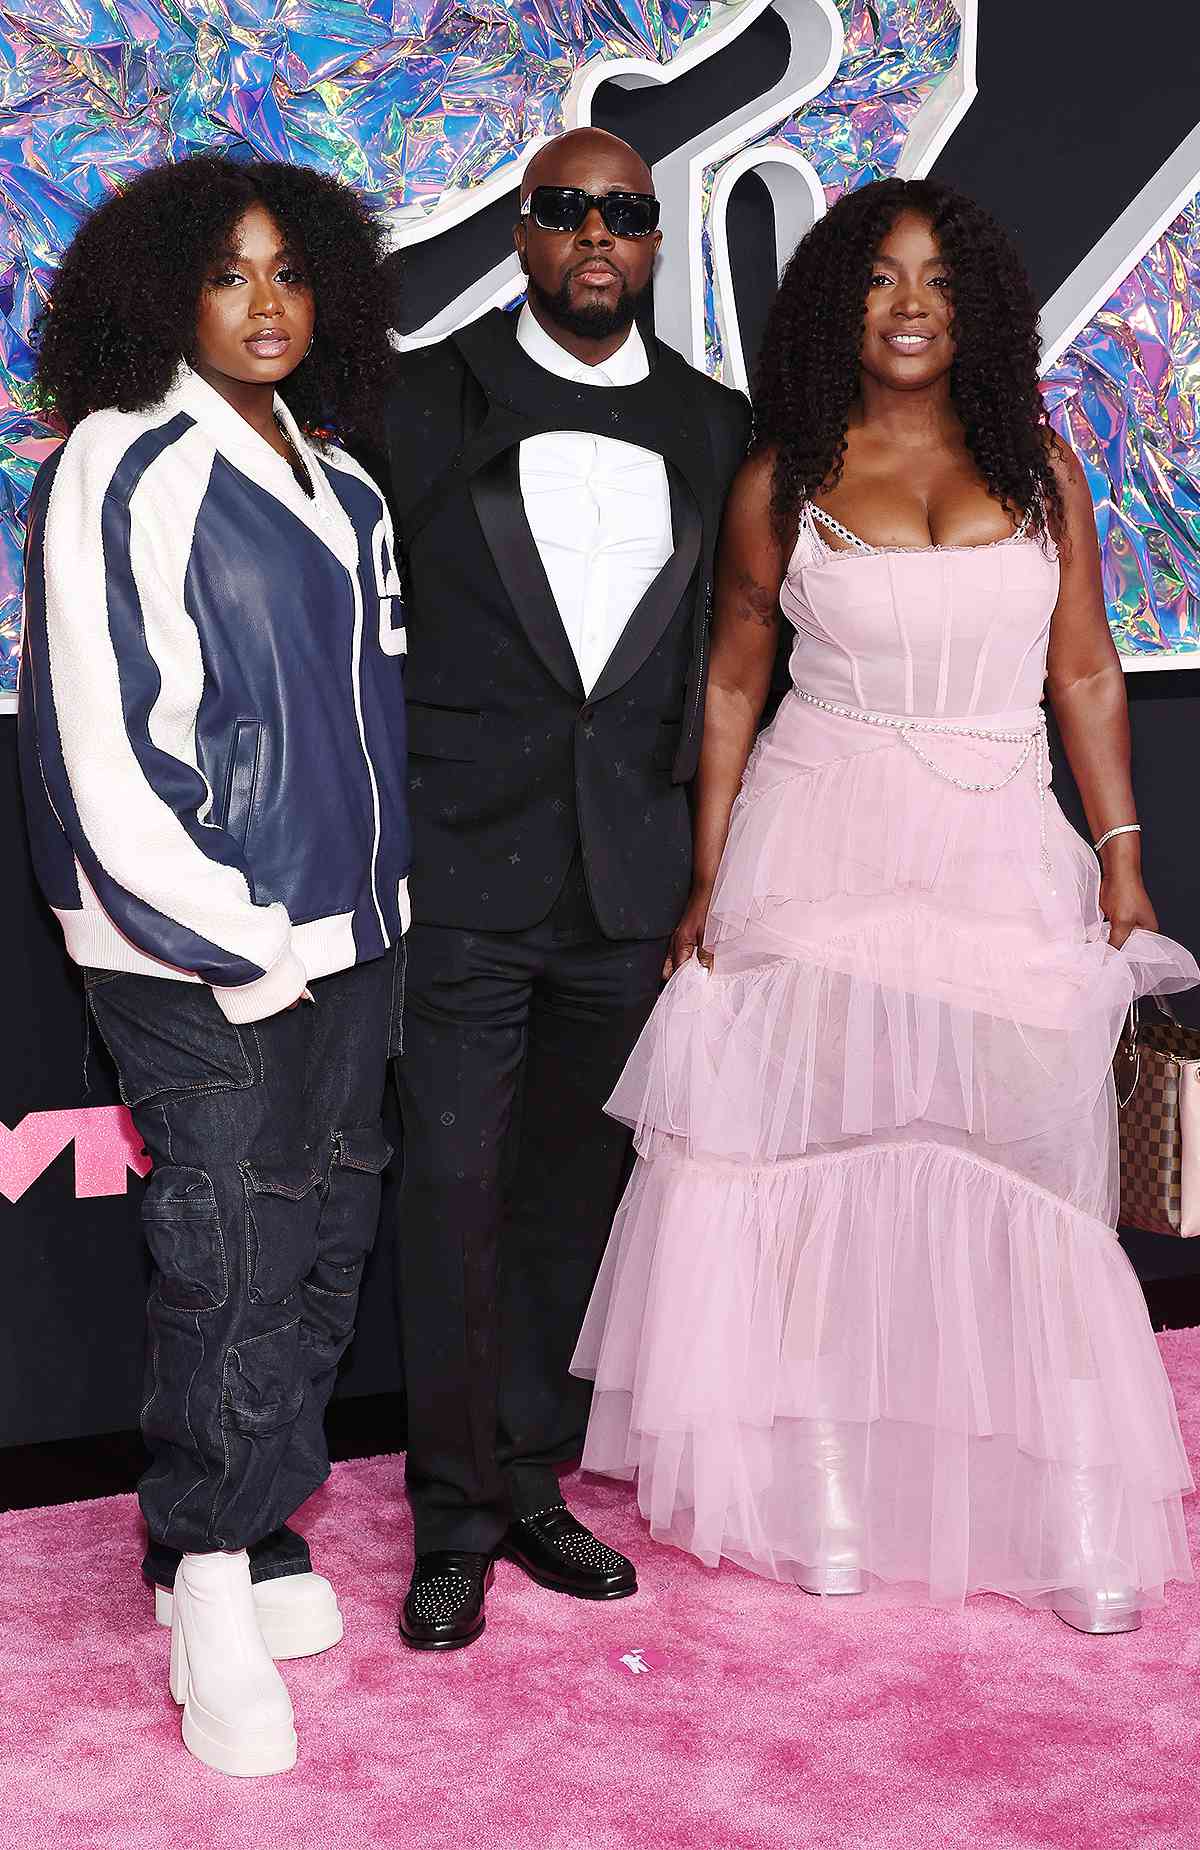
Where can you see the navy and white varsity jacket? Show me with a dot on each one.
(211, 704)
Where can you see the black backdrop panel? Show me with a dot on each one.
(1057, 151)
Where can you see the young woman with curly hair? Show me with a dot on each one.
(212, 749)
(864, 1321)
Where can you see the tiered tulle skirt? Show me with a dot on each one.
(863, 1294)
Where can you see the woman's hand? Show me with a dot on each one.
(1087, 689)
(688, 937)
(1125, 903)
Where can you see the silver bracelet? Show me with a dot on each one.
(1126, 828)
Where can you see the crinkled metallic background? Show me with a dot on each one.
(405, 98)
(411, 98)
(1125, 395)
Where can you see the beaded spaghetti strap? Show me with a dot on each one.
(835, 526)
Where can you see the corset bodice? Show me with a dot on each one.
(947, 632)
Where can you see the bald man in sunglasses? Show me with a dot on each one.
(557, 479)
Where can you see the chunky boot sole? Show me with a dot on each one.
(285, 1638)
(245, 1754)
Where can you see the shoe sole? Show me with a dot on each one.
(1079, 1621)
(559, 1586)
(833, 1582)
(442, 1644)
(249, 1760)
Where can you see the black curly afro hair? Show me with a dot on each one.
(808, 378)
(122, 309)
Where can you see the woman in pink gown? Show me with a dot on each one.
(864, 1322)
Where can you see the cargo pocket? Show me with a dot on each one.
(167, 1039)
(263, 1388)
(351, 1215)
(282, 1211)
(183, 1232)
(348, 1223)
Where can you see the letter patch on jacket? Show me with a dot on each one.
(393, 639)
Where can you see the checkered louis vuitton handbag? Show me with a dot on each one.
(1157, 1072)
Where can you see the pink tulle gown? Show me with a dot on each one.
(863, 1322)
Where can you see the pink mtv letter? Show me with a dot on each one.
(106, 1148)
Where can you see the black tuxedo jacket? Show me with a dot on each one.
(511, 765)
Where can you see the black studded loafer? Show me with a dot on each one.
(443, 1609)
(558, 1552)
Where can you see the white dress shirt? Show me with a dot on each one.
(599, 510)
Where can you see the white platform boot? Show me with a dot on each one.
(298, 1614)
(237, 1714)
(1103, 1602)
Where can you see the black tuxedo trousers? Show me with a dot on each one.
(512, 1174)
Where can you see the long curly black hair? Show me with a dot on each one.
(808, 376)
(122, 309)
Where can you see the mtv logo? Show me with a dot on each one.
(694, 176)
(106, 1148)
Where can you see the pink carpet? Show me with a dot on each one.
(768, 1721)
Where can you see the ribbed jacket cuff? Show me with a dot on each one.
(266, 995)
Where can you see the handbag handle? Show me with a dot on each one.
(1131, 1038)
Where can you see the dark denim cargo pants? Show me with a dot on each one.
(259, 1214)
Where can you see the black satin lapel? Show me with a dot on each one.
(660, 600)
(496, 492)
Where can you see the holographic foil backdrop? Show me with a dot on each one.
(406, 99)
(409, 99)
(1126, 396)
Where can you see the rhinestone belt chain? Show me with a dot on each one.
(1032, 740)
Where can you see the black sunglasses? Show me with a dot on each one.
(564, 208)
